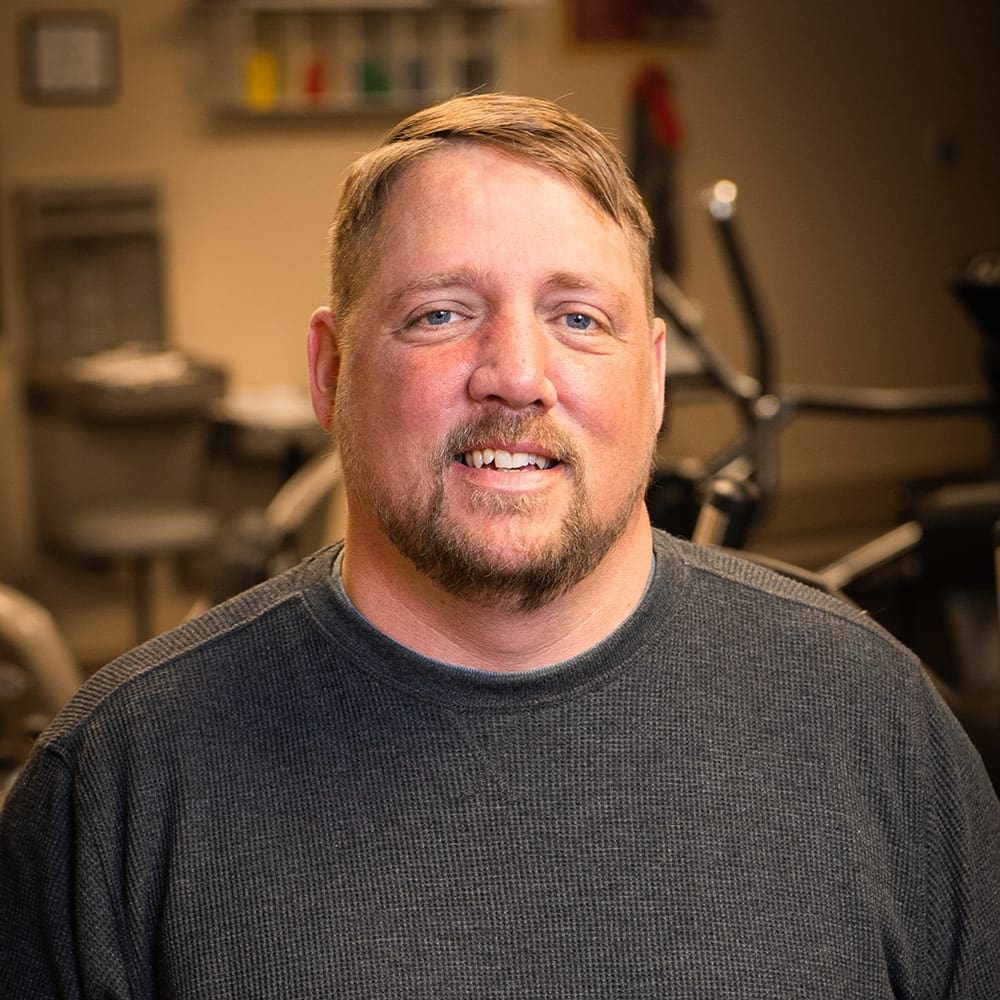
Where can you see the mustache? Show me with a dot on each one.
(497, 426)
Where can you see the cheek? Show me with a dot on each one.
(613, 403)
(412, 397)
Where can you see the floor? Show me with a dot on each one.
(94, 606)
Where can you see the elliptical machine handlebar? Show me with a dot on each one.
(765, 403)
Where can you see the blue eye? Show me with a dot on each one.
(439, 317)
(579, 321)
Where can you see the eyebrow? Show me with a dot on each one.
(468, 276)
(575, 281)
(465, 275)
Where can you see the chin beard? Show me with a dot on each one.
(516, 579)
(511, 580)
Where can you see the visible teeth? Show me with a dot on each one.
(506, 460)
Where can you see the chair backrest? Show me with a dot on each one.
(99, 438)
(305, 494)
(261, 543)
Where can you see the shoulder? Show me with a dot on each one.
(806, 673)
(754, 644)
(220, 655)
(763, 597)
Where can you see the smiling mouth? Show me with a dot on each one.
(507, 461)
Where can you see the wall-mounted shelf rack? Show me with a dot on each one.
(275, 58)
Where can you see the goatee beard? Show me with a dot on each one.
(452, 556)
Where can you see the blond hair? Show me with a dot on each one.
(535, 130)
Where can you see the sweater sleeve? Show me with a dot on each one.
(58, 933)
(962, 861)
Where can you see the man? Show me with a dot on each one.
(505, 740)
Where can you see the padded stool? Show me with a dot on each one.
(137, 534)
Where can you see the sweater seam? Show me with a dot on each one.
(69, 764)
(858, 618)
(60, 742)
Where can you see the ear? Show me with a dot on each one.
(324, 365)
(659, 348)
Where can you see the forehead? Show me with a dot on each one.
(471, 200)
(462, 171)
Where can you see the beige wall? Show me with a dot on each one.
(823, 113)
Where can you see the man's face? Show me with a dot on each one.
(500, 390)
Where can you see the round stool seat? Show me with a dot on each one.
(128, 531)
(138, 534)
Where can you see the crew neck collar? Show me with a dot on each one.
(393, 663)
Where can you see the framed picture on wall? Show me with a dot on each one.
(641, 20)
(69, 57)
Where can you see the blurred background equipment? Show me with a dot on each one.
(119, 419)
(932, 579)
(656, 140)
(38, 675)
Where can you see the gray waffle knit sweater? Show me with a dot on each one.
(745, 791)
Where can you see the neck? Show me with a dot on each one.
(387, 589)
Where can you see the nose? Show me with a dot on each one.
(512, 366)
